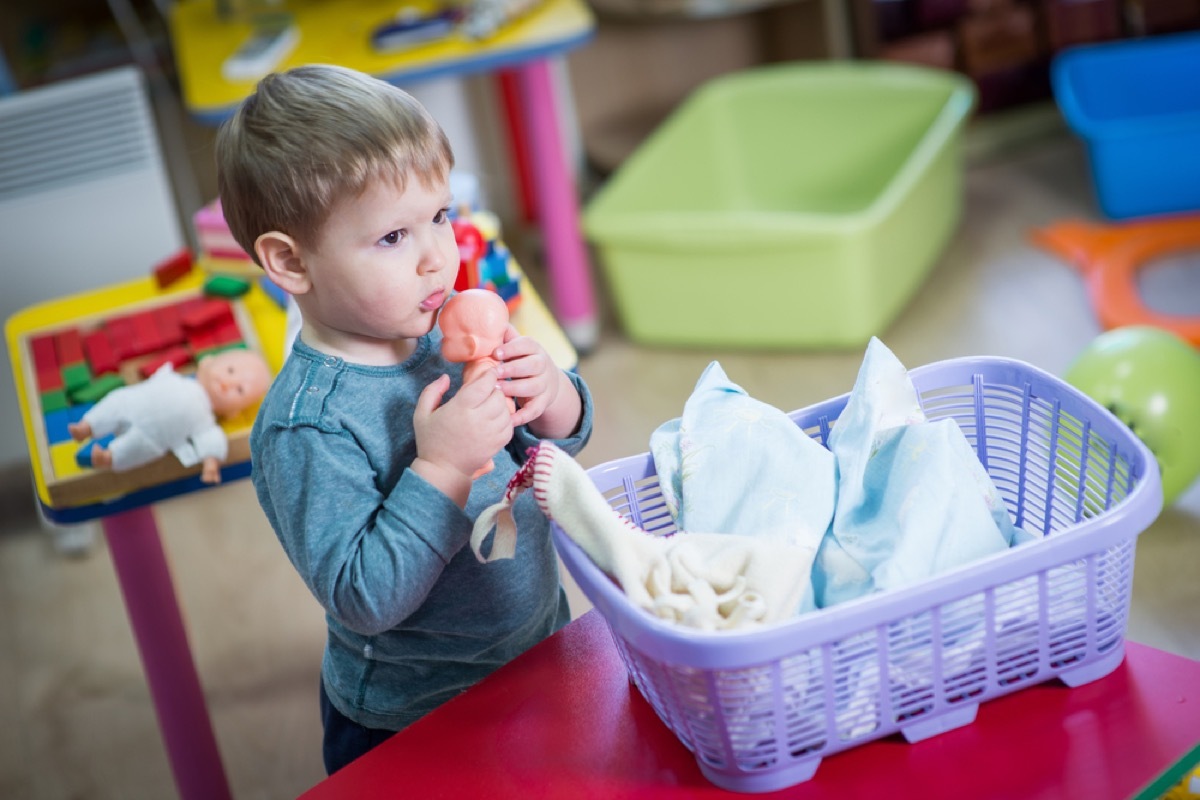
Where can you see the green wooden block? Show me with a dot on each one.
(54, 401)
(76, 376)
(97, 388)
(212, 351)
(226, 286)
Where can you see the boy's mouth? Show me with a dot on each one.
(434, 301)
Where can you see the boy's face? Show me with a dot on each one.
(382, 266)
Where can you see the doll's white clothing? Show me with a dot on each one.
(166, 412)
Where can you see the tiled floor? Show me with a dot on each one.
(77, 720)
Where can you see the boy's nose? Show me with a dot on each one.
(433, 259)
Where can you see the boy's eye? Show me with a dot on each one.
(442, 216)
(392, 238)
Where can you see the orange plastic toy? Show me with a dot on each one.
(1109, 256)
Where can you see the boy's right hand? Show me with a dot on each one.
(455, 437)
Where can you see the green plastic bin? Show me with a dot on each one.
(789, 206)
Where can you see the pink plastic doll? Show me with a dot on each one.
(172, 412)
(473, 324)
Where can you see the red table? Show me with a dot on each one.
(563, 721)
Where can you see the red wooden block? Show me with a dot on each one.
(177, 356)
(170, 325)
(68, 345)
(172, 269)
(201, 340)
(49, 380)
(100, 354)
(210, 313)
(120, 336)
(185, 307)
(226, 333)
(45, 355)
(146, 336)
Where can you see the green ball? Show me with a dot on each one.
(1150, 379)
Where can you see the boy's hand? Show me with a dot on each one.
(548, 401)
(454, 438)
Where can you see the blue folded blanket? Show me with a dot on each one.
(894, 500)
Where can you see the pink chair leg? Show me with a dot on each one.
(150, 601)
(567, 267)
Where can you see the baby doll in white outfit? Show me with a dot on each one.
(172, 412)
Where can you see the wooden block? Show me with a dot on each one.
(97, 388)
(146, 336)
(178, 356)
(54, 401)
(75, 376)
(170, 325)
(226, 333)
(120, 336)
(68, 346)
(57, 422)
(210, 313)
(44, 352)
(49, 380)
(100, 354)
(226, 286)
(201, 341)
(172, 269)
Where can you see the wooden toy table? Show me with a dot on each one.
(338, 32)
(563, 720)
(124, 502)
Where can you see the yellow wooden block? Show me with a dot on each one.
(62, 459)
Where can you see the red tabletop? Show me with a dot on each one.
(563, 721)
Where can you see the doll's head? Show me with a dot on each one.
(473, 324)
(233, 379)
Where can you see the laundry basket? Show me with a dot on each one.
(761, 708)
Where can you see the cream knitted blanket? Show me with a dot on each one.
(709, 581)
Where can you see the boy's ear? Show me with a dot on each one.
(280, 258)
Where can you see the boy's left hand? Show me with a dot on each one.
(527, 374)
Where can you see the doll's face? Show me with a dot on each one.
(473, 324)
(233, 380)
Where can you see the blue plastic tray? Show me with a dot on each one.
(1137, 105)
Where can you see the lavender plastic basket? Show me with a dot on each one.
(760, 709)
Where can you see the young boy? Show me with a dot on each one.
(366, 442)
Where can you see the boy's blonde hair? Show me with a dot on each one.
(313, 135)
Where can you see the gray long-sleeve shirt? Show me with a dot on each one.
(413, 617)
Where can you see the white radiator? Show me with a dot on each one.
(85, 201)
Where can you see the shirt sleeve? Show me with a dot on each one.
(369, 557)
(523, 439)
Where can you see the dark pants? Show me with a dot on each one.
(345, 739)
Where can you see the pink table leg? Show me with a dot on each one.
(145, 579)
(567, 267)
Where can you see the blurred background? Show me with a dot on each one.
(76, 719)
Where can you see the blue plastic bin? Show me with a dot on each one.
(1137, 105)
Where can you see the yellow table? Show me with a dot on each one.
(123, 501)
(338, 32)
